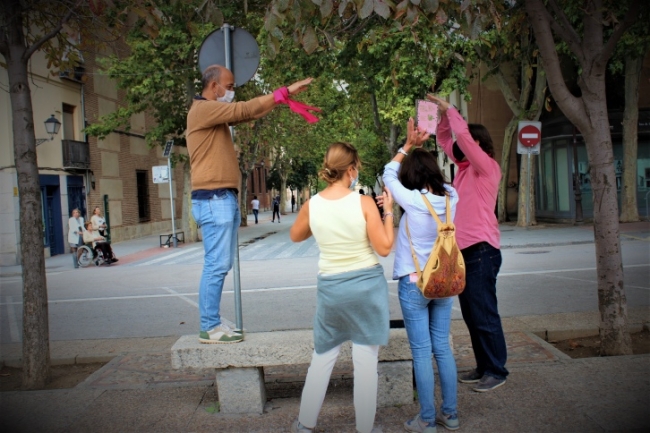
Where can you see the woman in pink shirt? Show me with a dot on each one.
(478, 237)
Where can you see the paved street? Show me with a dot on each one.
(547, 288)
(152, 291)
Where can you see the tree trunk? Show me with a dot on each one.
(629, 207)
(526, 188)
(283, 193)
(589, 114)
(502, 203)
(243, 199)
(36, 334)
(612, 303)
(392, 139)
(189, 225)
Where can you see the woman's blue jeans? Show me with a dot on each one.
(427, 323)
(219, 219)
(478, 302)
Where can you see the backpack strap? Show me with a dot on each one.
(439, 223)
(415, 256)
(433, 212)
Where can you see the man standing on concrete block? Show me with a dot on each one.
(215, 183)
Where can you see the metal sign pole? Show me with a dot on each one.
(528, 187)
(171, 200)
(236, 271)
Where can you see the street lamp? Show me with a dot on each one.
(52, 126)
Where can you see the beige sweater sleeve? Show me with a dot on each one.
(210, 113)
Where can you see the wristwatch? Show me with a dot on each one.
(402, 151)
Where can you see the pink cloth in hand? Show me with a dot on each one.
(281, 96)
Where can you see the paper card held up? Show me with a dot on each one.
(426, 113)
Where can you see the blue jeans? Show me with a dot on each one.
(478, 302)
(219, 219)
(427, 323)
(255, 212)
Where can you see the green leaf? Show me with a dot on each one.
(366, 10)
(309, 40)
(411, 15)
(326, 8)
(429, 6)
(277, 33)
(382, 9)
(415, 2)
(343, 6)
(282, 5)
(441, 17)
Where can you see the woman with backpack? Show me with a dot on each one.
(412, 174)
(352, 293)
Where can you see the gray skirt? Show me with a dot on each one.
(351, 306)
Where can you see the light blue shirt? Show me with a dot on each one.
(422, 226)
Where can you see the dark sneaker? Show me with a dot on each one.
(419, 426)
(296, 427)
(488, 383)
(222, 334)
(471, 377)
(450, 422)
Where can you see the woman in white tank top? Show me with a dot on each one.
(352, 296)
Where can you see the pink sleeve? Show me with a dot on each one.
(443, 136)
(478, 159)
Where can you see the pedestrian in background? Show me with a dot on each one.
(75, 234)
(255, 204)
(478, 237)
(352, 293)
(215, 181)
(99, 223)
(276, 209)
(427, 321)
(293, 202)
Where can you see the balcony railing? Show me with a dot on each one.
(76, 154)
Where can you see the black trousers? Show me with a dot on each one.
(106, 250)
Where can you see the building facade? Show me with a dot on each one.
(77, 171)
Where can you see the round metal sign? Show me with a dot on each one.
(245, 54)
(530, 136)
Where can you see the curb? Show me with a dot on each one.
(544, 335)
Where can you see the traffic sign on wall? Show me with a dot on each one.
(529, 137)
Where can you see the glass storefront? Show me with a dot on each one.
(556, 168)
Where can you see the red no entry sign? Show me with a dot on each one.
(530, 136)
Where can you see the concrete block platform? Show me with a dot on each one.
(240, 367)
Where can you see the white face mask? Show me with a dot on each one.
(229, 96)
(353, 182)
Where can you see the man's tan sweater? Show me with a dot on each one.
(213, 160)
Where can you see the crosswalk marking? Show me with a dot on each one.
(167, 257)
(257, 251)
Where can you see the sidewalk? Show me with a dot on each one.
(545, 391)
(137, 391)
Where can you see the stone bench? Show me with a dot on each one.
(240, 367)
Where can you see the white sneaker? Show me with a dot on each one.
(221, 334)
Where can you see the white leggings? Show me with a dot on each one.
(364, 359)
